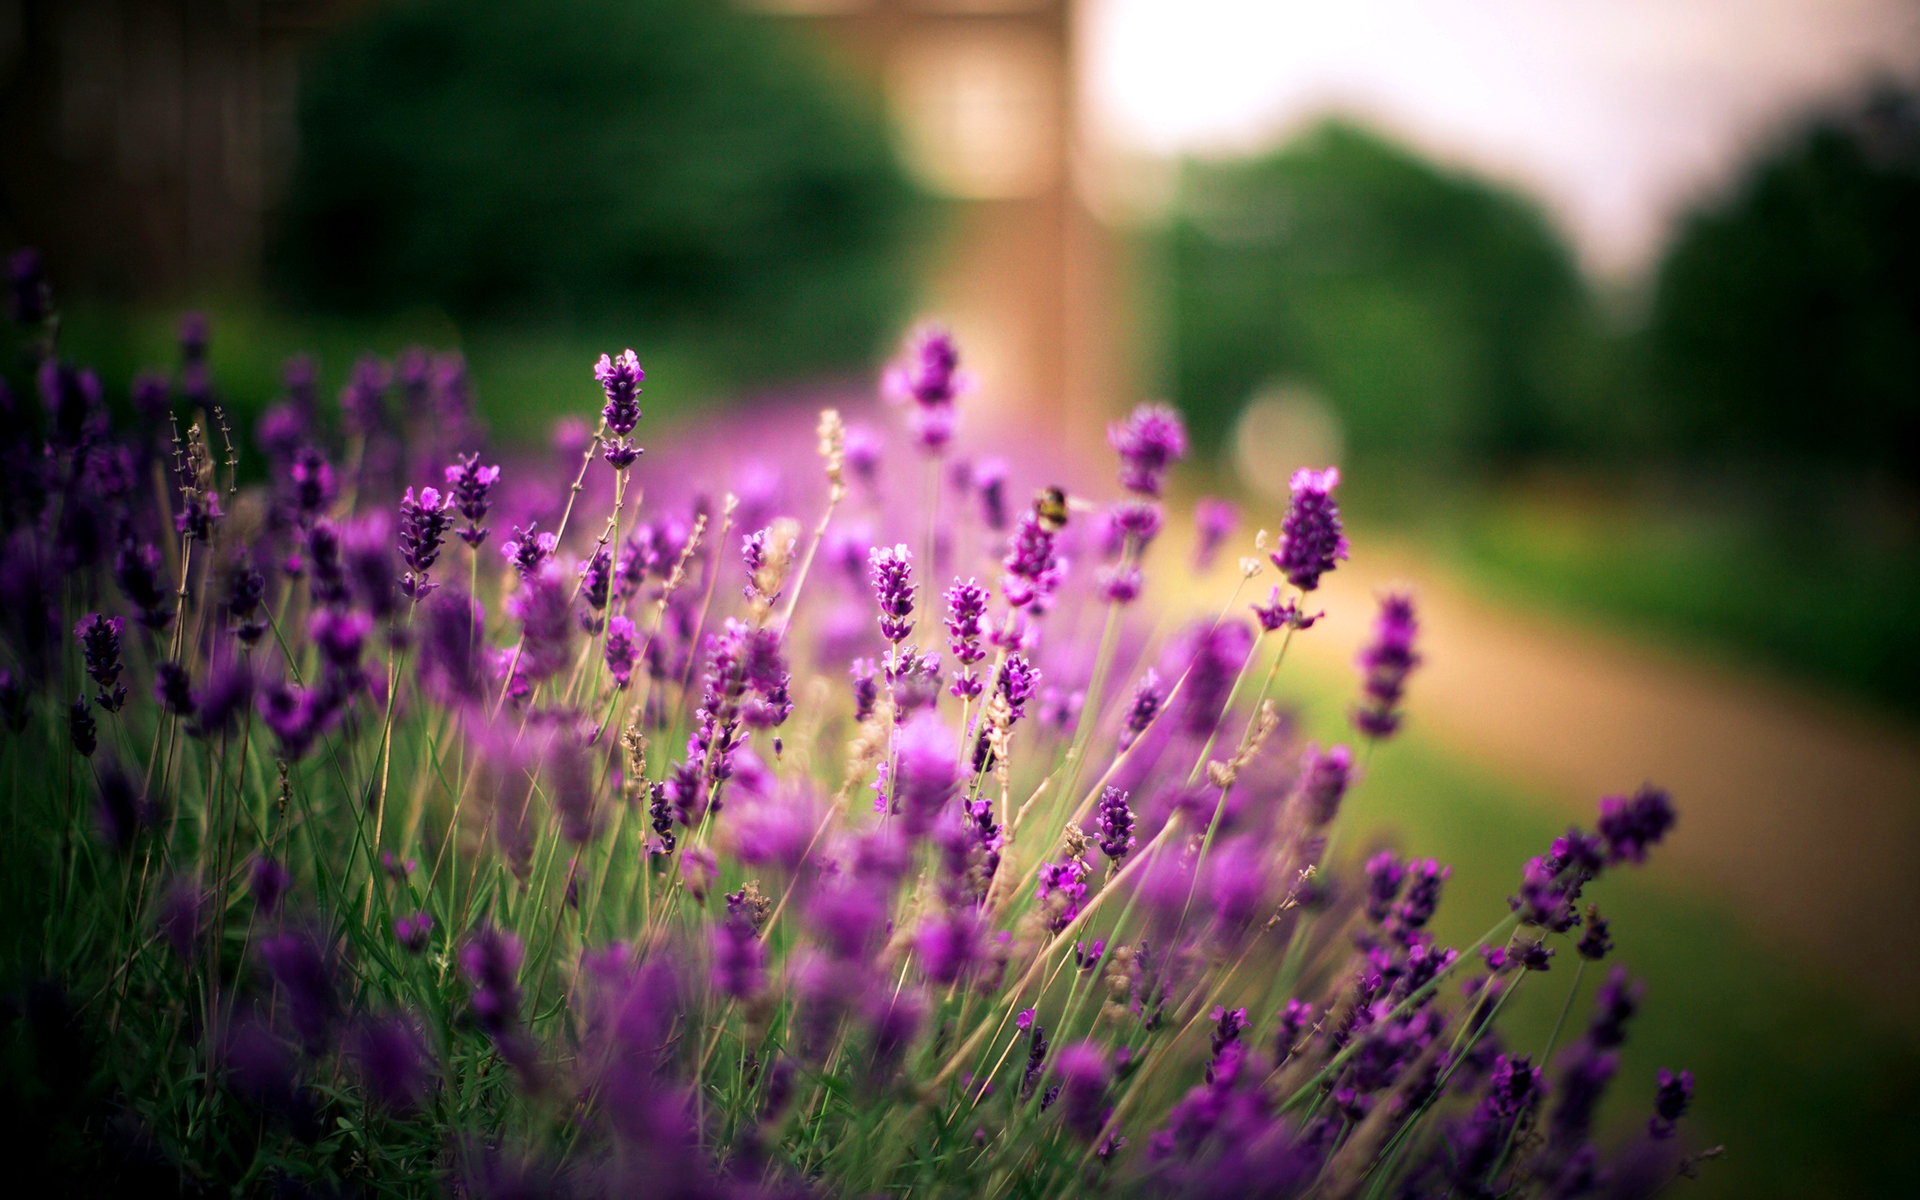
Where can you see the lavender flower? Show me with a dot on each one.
(990, 483)
(137, 570)
(246, 590)
(1311, 540)
(1032, 563)
(1036, 1059)
(423, 528)
(1632, 825)
(1083, 1072)
(1275, 614)
(450, 669)
(866, 688)
(1219, 652)
(268, 880)
(1213, 520)
(1424, 878)
(620, 378)
(891, 570)
(363, 401)
(392, 1058)
(411, 933)
(1613, 1006)
(1061, 890)
(529, 551)
(1384, 664)
(490, 960)
(596, 583)
(1149, 442)
(1113, 821)
(121, 810)
(1385, 876)
(1142, 708)
(100, 645)
(1595, 940)
(739, 959)
(930, 377)
(312, 485)
(1672, 1095)
(1121, 584)
(928, 772)
(622, 650)
(470, 483)
(302, 970)
(173, 689)
(966, 626)
(81, 728)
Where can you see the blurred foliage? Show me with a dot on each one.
(674, 167)
(1786, 320)
(1438, 315)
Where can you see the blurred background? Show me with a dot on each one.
(1609, 310)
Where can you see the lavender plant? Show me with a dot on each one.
(640, 851)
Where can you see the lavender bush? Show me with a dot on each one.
(408, 822)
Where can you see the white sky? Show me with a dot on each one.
(1615, 112)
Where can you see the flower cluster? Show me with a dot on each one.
(553, 870)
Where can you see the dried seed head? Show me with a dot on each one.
(832, 433)
(776, 560)
(1075, 841)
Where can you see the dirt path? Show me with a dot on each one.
(1805, 814)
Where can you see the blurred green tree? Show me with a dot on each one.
(1442, 317)
(689, 169)
(1786, 319)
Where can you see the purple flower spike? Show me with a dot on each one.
(620, 378)
(1311, 540)
(966, 626)
(303, 971)
(1384, 878)
(928, 772)
(363, 400)
(470, 484)
(423, 529)
(268, 880)
(891, 570)
(929, 375)
(82, 728)
(529, 551)
(1671, 1097)
(1384, 664)
(1061, 890)
(1632, 825)
(100, 644)
(739, 959)
(392, 1059)
(137, 570)
(622, 650)
(1084, 1076)
(1148, 697)
(312, 483)
(1113, 821)
(1214, 520)
(1275, 614)
(1324, 778)
(1149, 442)
(491, 962)
(1032, 562)
(413, 932)
(173, 689)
